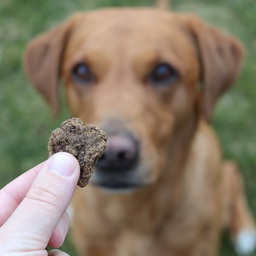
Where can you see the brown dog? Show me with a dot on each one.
(161, 187)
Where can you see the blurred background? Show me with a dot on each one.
(25, 118)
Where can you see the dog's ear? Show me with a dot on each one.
(42, 60)
(221, 57)
(42, 63)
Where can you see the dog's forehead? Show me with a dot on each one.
(127, 27)
(124, 16)
(131, 32)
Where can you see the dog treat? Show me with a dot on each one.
(84, 141)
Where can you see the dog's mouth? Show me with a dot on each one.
(116, 182)
(113, 185)
(121, 181)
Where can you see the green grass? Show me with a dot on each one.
(26, 120)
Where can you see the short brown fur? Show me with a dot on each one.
(188, 192)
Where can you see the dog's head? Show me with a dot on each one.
(135, 73)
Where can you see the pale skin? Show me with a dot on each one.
(33, 208)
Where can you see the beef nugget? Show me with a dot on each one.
(84, 141)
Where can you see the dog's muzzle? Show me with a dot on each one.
(117, 164)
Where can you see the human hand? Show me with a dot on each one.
(33, 208)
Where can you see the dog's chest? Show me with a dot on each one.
(171, 242)
(132, 243)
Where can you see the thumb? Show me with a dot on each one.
(31, 225)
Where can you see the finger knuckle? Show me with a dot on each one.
(45, 195)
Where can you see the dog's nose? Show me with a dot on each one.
(120, 155)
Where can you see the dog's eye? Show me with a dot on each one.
(163, 74)
(81, 73)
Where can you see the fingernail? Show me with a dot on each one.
(62, 164)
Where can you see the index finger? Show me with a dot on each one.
(14, 192)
